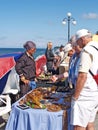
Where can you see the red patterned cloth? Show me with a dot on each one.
(6, 64)
(40, 62)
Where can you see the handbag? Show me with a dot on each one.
(95, 77)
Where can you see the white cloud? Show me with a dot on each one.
(90, 16)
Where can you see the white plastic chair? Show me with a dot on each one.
(12, 84)
(11, 87)
(5, 99)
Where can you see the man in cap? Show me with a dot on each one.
(84, 103)
(25, 67)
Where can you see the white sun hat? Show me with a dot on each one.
(67, 47)
(82, 33)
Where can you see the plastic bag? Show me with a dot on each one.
(32, 84)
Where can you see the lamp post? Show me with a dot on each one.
(69, 19)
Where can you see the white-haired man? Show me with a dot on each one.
(84, 103)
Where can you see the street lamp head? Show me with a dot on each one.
(74, 22)
(69, 14)
(64, 22)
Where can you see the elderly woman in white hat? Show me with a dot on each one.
(64, 63)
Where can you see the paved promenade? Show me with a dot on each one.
(4, 119)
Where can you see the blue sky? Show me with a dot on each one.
(41, 20)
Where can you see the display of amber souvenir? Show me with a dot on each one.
(36, 106)
(53, 108)
(44, 77)
(22, 101)
(47, 98)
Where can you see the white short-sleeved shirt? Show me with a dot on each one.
(85, 62)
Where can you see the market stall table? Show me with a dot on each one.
(35, 119)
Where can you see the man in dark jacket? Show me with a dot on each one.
(50, 57)
(25, 67)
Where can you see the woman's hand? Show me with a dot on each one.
(23, 79)
(26, 81)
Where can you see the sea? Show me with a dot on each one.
(3, 51)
